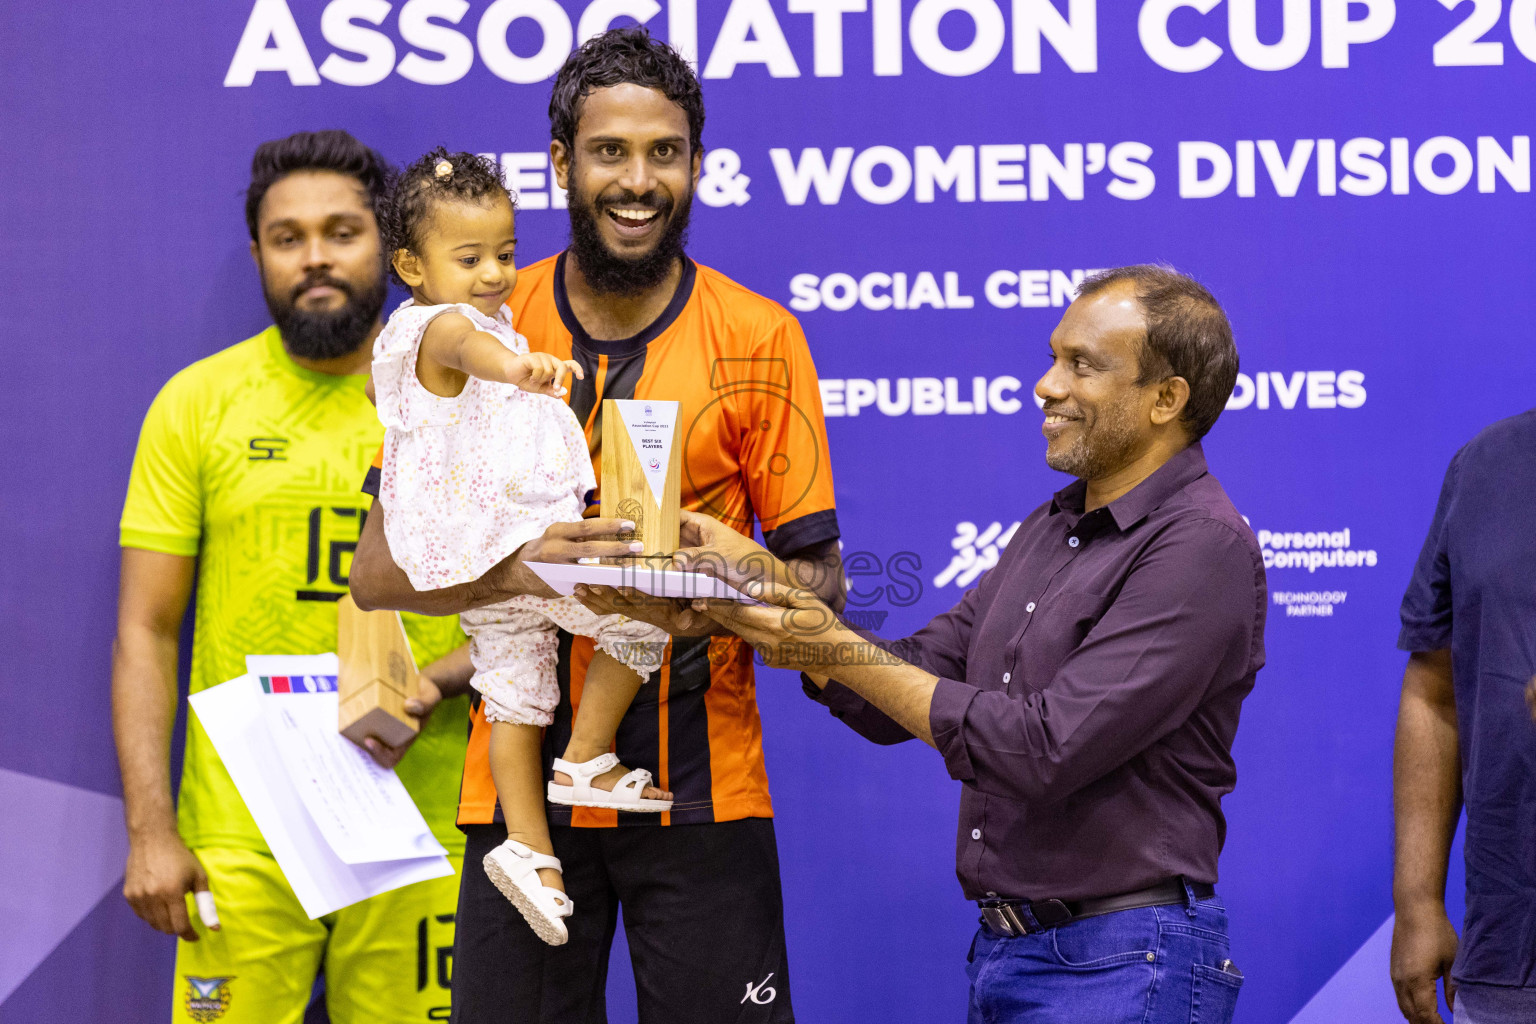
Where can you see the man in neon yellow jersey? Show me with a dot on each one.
(245, 480)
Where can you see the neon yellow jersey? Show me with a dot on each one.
(253, 464)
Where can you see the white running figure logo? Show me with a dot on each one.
(976, 551)
(759, 990)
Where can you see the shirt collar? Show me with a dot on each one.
(1146, 497)
(626, 346)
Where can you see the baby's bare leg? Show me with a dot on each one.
(609, 690)
(517, 766)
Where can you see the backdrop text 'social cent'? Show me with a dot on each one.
(923, 182)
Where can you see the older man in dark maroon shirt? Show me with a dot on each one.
(1087, 691)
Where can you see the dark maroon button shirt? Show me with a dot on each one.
(1089, 690)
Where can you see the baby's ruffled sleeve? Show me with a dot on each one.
(402, 401)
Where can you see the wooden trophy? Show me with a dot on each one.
(642, 471)
(378, 673)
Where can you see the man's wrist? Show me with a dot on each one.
(839, 646)
(502, 581)
(512, 578)
(479, 592)
(1419, 906)
(447, 686)
(154, 832)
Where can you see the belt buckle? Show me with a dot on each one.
(1004, 919)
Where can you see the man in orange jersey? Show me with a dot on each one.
(700, 887)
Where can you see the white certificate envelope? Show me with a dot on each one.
(235, 715)
(562, 578)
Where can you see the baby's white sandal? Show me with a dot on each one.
(625, 795)
(514, 869)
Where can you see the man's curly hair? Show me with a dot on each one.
(470, 178)
(624, 55)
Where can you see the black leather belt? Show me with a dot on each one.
(1010, 918)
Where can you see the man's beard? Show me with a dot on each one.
(607, 272)
(328, 333)
(1100, 450)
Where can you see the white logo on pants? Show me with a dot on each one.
(760, 994)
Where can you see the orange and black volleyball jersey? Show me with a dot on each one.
(755, 451)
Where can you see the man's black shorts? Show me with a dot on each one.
(703, 914)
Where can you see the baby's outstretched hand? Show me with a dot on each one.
(542, 373)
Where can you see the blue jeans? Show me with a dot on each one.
(1155, 965)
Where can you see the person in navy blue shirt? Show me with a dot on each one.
(1465, 737)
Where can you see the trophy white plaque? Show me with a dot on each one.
(642, 470)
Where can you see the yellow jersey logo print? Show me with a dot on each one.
(207, 998)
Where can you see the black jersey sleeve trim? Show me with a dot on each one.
(799, 534)
(624, 346)
(371, 481)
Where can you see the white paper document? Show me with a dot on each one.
(314, 800)
(291, 665)
(562, 578)
(362, 810)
